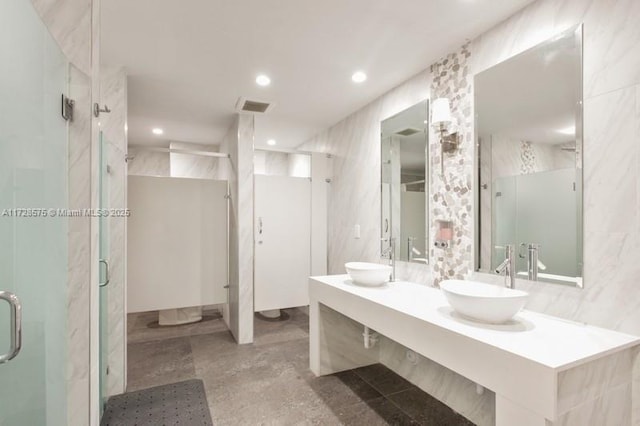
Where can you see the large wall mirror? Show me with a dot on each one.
(405, 183)
(529, 161)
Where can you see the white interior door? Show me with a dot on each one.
(282, 242)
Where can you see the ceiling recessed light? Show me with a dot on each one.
(157, 131)
(263, 80)
(571, 130)
(358, 77)
(271, 142)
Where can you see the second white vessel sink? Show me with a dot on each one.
(483, 302)
(369, 274)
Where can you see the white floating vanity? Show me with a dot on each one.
(543, 370)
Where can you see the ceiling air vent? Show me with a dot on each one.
(252, 105)
(408, 131)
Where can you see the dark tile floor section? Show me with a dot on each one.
(269, 382)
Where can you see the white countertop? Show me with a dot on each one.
(552, 342)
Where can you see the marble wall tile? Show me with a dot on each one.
(271, 163)
(148, 163)
(193, 166)
(610, 132)
(246, 130)
(79, 251)
(612, 46)
(612, 408)
(238, 171)
(113, 90)
(69, 22)
(594, 379)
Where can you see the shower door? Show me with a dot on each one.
(33, 237)
(104, 274)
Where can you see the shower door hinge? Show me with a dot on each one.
(67, 108)
(227, 196)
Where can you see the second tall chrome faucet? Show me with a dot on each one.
(508, 266)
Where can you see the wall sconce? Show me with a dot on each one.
(441, 116)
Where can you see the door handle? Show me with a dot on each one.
(16, 326)
(107, 274)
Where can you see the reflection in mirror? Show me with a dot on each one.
(405, 183)
(529, 128)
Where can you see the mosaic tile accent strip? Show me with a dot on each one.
(451, 194)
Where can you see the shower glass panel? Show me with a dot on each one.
(103, 188)
(539, 208)
(504, 217)
(33, 249)
(546, 215)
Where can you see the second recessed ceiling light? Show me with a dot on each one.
(263, 80)
(358, 77)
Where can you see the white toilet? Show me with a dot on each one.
(180, 316)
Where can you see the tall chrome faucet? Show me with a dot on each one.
(508, 266)
(533, 263)
(391, 253)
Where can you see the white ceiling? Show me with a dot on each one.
(189, 60)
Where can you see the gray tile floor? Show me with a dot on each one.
(269, 382)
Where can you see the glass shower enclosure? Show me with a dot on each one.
(33, 238)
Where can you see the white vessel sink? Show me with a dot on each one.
(483, 302)
(370, 274)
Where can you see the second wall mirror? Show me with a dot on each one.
(405, 183)
(529, 158)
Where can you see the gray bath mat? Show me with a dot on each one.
(182, 403)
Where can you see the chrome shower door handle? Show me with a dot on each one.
(16, 326)
(107, 274)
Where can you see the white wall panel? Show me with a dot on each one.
(177, 243)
